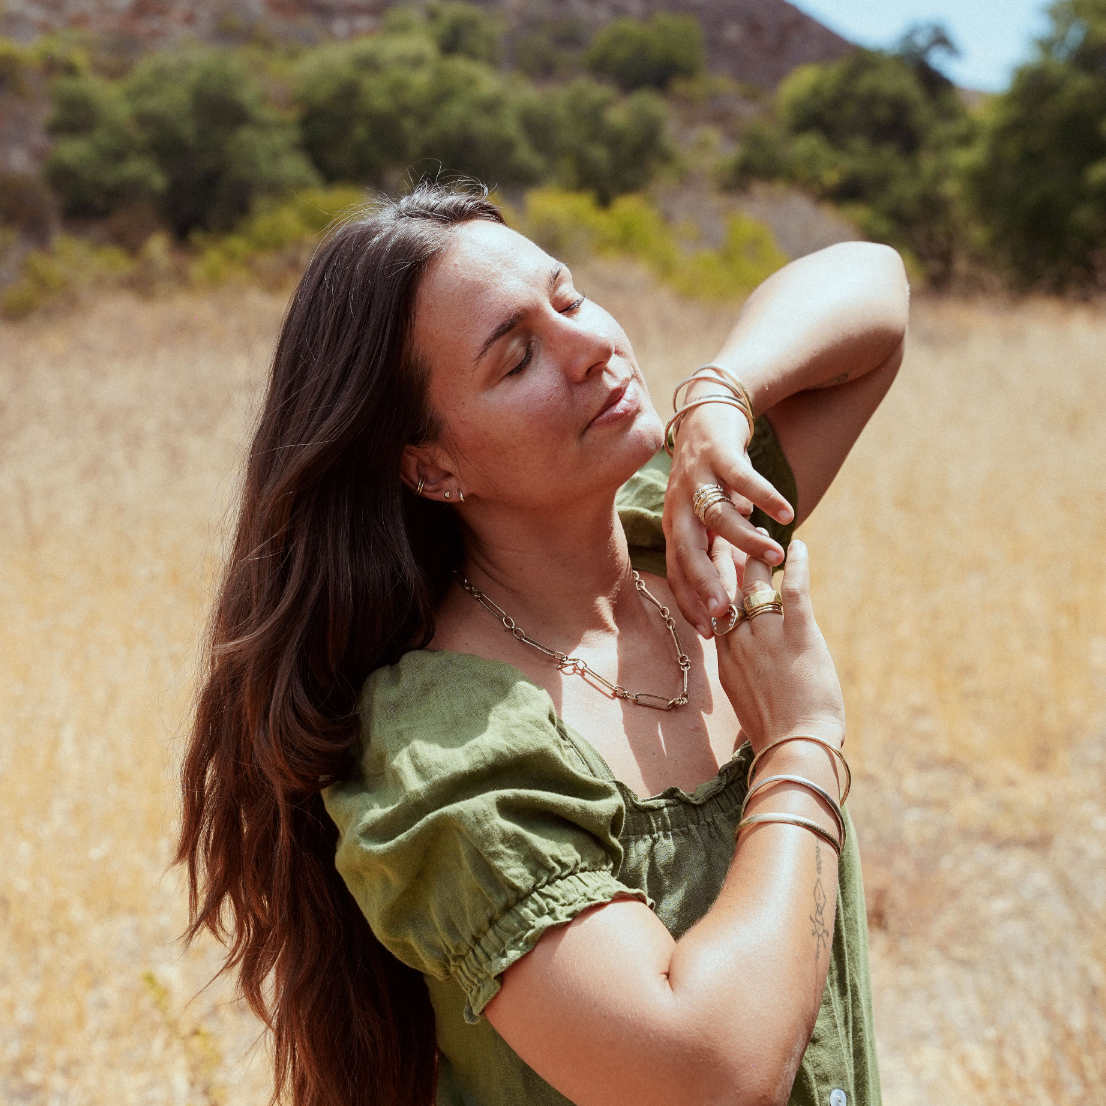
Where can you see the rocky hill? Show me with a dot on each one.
(755, 41)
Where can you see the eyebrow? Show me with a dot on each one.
(516, 317)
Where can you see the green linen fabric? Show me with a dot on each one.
(479, 819)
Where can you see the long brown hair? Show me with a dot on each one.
(336, 569)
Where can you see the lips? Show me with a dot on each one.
(622, 401)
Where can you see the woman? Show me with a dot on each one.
(456, 444)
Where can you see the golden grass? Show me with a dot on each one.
(956, 576)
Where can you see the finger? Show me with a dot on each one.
(687, 598)
(722, 554)
(795, 588)
(743, 505)
(743, 478)
(739, 558)
(689, 542)
(757, 576)
(739, 531)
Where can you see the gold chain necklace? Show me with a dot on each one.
(577, 666)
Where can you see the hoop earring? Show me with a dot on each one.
(418, 490)
(461, 494)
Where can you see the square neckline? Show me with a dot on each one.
(594, 760)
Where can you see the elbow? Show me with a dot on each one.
(890, 290)
(876, 282)
(752, 1074)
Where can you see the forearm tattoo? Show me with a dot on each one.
(820, 932)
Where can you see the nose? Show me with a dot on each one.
(584, 348)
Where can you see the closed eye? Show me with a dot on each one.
(524, 362)
(574, 306)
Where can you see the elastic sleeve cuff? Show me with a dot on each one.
(517, 931)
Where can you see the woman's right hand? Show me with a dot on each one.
(776, 669)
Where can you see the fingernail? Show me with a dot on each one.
(703, 631)
(797, 545)
(761, 530)
(784, 515)
(772, 557)
(718, 608)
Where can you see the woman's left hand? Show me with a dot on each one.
(711, 448)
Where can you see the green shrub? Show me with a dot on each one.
(466, 30)
(882, 136)
(69, 265)
(635, 55)
(596, 141)
(16, 63)
(572, 225)
(275, 228)
(553, 48)
(1039, 179)
(383, 104)
(188, 133)
(748, 255)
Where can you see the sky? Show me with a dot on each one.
(993, 35)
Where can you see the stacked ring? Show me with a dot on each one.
(736, 615)
(762, 600)
(706, 497)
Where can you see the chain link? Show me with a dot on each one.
(577, 666)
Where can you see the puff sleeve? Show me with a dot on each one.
(474, 824)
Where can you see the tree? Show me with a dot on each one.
(187, 133)
(382, 104)
(647, 55)
(467, 31)
(1039, 182)
(879, 134)
(599, 142)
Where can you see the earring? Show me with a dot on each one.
(449, 495)
(418, 490)
(461, 494)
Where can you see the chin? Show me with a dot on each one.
(643, 437)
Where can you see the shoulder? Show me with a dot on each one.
(472, 823)
(439, 721)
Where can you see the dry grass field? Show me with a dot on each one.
(957, 574)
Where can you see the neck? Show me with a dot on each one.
(569, 574)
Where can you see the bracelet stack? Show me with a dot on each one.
(736, 395)
(833, 805)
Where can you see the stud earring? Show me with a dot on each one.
(449, 495)
(418, 490)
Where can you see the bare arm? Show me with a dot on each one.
(817, 344)
(613, 1012)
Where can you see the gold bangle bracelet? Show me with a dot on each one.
(674, 423)
(818, 741)
(810, 785)
(718, 375)
(789, 820)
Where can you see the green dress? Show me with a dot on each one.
(479, 819)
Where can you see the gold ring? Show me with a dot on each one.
(737, 614)
(768, 608)
(706, 498)
(762, 599)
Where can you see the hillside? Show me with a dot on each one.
(756, 41)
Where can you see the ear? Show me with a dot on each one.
(430, 465)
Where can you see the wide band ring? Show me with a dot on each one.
(736, 616)
(762, 600)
